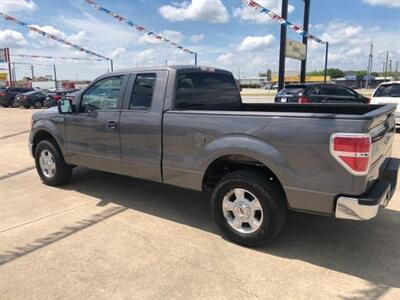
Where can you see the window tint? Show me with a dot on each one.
(342, 91)
(316, 90)
(142, 92)
(206, 88)
(291, 91)
(331, 91)
(103, 94)
(388, 90)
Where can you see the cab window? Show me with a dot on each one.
(104, 94)
(197, 89)
(142, 93)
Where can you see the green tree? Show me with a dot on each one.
(332, 72)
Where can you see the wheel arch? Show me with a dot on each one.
(229, 163)
(42, 135)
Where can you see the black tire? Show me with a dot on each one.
(27, 106)
(37, 104)
(270, 197)
(63, 171)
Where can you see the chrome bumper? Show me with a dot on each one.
(366, 206)
(352, 208)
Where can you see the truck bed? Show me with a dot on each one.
(331, 109)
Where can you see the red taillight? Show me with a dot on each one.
(2, 94)
(368, 100)
(352, 151)
(56, 97)
(303, 100)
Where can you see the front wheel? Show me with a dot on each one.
(50, 164)
(37, 104)
(249, 208)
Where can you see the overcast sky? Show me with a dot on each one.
(224, 33)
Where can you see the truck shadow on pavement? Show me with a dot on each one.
(368, 250)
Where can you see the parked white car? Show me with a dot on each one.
(388, 92)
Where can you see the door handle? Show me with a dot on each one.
(112, 124)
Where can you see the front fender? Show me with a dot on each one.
(54, 127)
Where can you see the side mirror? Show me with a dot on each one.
(64, 106)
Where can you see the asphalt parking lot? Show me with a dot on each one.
(106, 236)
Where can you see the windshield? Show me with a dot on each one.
(388, 90)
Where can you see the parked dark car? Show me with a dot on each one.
(7, 96)
(53, 97)
(319, 93)
(34, 98)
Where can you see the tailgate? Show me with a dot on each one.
(382, 135)
(382, 130)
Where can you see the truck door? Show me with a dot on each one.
(141, 125)
(93, 133)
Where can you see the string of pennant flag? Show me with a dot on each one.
(137, 26)
(56, 57)
(30, 64)
(277, 18)
(50, 36)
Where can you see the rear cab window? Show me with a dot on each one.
(206, 89)
(388, 90)
(143, 90)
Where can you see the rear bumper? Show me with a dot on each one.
(366, 206)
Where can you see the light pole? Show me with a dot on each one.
(282, 52)
(306, 22)
(33, 74)
(326, 61)
(55, 77)
(195, 58)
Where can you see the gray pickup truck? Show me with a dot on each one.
(187, 126)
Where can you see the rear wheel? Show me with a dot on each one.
(249, 208)
(50, 164)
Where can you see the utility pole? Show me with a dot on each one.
(7, 59)
(33, 74)
(112, 65)
(386, 64)
(390, 66)
(306, 22)
(55, 77)
(14, 74)
(282, 52)
(369, 68)
(195, 59)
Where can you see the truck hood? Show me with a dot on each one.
(45, 114)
